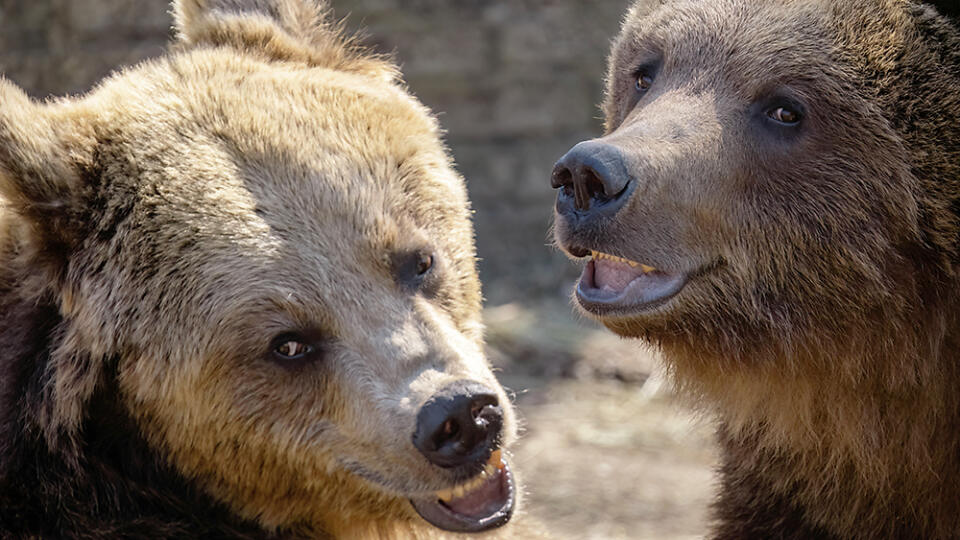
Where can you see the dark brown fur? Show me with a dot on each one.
(115, 486)
(821, 319)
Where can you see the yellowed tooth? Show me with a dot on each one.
(495, 458)
(633, 264)
(445, 495)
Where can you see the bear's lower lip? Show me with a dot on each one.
(486, 503)
(611, 286)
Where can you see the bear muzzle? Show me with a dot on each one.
(460, 428)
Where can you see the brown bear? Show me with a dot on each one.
(775, 203)
(239, 299)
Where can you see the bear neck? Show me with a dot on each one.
(855, 431)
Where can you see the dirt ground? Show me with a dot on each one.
(607, 451)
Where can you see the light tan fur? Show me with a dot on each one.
(257, 179)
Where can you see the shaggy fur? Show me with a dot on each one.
(157, 234)
(821, 318)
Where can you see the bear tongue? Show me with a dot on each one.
(483, 501)
(614, 276)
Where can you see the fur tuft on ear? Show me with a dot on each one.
(41, 156)
(641, 8)
(298, 18)
(289, 30)
(35, 178)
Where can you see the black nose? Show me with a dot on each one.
(591, 175)
(459, 425)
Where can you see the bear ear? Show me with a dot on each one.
(40, 160)
(288, 30)
(196, 20)
(642, 8)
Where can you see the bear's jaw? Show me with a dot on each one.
(482, 503)
(612, 285)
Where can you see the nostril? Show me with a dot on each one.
(595, 188)
(481, 401)
(486, 413)
(588, 189)
(561, 176)
(477, 410)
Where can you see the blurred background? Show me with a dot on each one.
(607, 452)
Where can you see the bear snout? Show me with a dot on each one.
(459, 426)
(592, 180)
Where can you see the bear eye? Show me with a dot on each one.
(424, 263)
(644, 81)
(785, 115)
(291, 347)
(415, 270)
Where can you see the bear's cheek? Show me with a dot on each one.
(245, 436)
(226, 424)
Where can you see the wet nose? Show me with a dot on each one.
(459, 425)
(592, 178)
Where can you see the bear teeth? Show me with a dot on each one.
(491, 469)
(633, 264)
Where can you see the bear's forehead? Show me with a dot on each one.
(240, 139)
(743, 51)
(264, 110)
(724, 31)
(241, 168)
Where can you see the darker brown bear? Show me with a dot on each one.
(776, 204)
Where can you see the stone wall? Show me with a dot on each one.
(515, 82)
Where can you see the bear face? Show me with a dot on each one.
(756, 184)
(261, 240)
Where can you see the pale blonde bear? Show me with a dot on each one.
(239, 299)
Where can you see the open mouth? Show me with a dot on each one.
(613, 285)
(483, 503)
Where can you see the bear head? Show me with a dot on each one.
(258, 241)
(777, 184)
